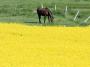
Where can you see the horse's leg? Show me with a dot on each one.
(40, 19)
(44, 19)
(39, 16)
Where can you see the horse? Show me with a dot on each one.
(46, 13)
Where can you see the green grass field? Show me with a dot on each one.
(24, 11)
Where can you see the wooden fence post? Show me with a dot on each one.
(87, 19)
(76, 15)
(66, 9)
(55, 7)
(42, 5)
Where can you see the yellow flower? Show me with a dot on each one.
(44, 46)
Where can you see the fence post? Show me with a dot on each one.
(76, 15)
(55, 7)
(66, 9)
(42, 5)
(87, 19)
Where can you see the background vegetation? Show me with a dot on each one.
(25, 11)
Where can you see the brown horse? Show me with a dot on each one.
(46, 13)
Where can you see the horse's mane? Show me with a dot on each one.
(50, 12)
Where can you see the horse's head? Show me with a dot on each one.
(51, 18)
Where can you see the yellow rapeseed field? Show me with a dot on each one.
(44, 46)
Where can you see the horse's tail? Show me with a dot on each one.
(38, 10)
